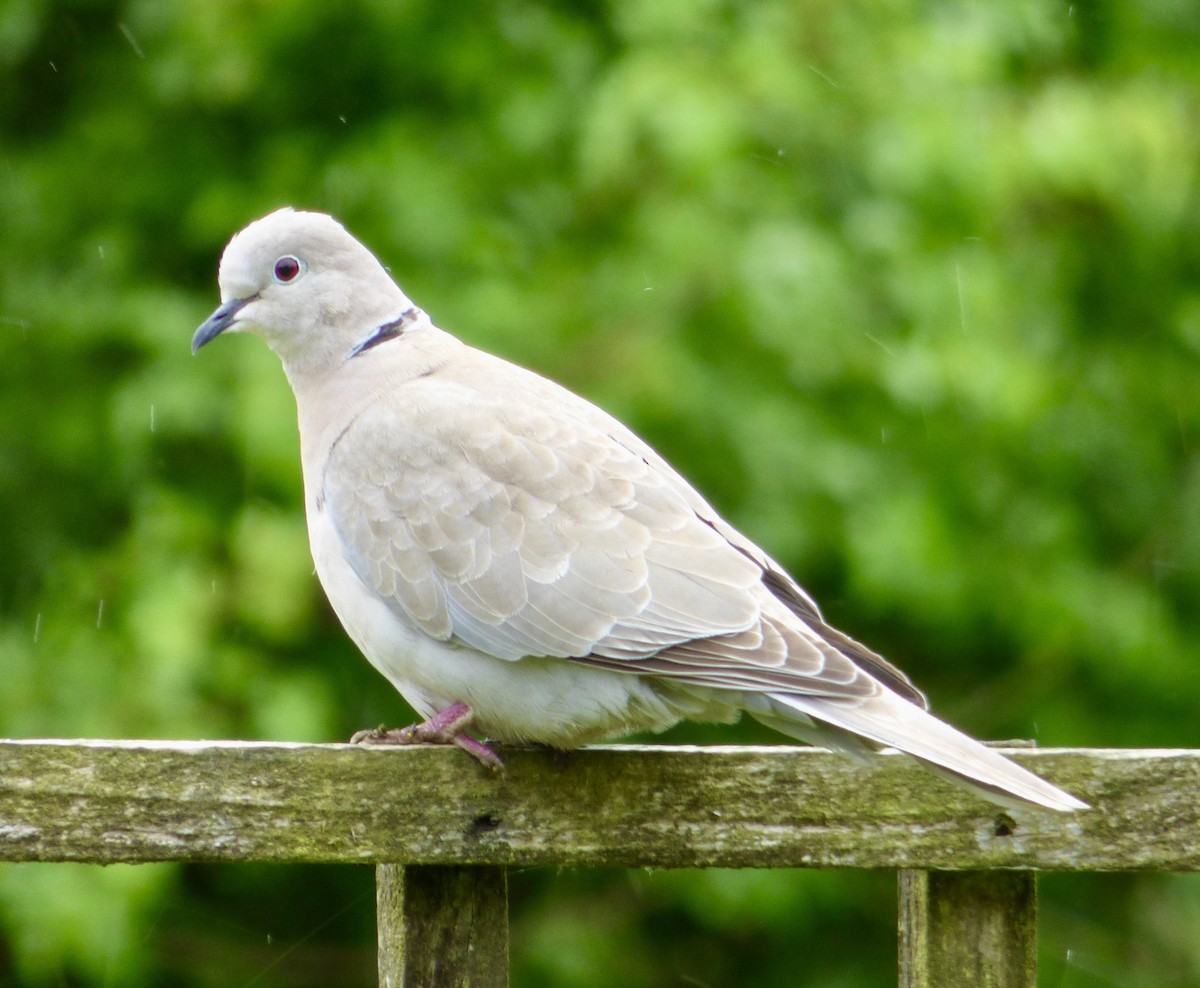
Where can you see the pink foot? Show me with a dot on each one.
(444, 727)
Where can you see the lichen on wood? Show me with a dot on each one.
(635, 805)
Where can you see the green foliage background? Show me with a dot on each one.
(910, 290)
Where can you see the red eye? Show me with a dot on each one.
(286, 268)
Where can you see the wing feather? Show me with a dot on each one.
(522, 534)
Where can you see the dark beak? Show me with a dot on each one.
(219, 321)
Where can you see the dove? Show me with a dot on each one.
(522, 566)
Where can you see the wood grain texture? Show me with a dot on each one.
(442, 926)
(128, 801)
(974, 928)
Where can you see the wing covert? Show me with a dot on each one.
(529, 535)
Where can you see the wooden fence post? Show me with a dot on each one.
(442, 926)
(974, 928)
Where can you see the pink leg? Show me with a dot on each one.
(444, 727)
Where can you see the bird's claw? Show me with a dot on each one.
(443, 727)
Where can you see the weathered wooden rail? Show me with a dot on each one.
(442, 830)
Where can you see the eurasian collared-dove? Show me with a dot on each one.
(511, 557)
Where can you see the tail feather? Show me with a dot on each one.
(891, 721)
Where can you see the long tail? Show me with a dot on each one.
(890, 721)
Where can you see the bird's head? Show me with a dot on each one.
(307, 287)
